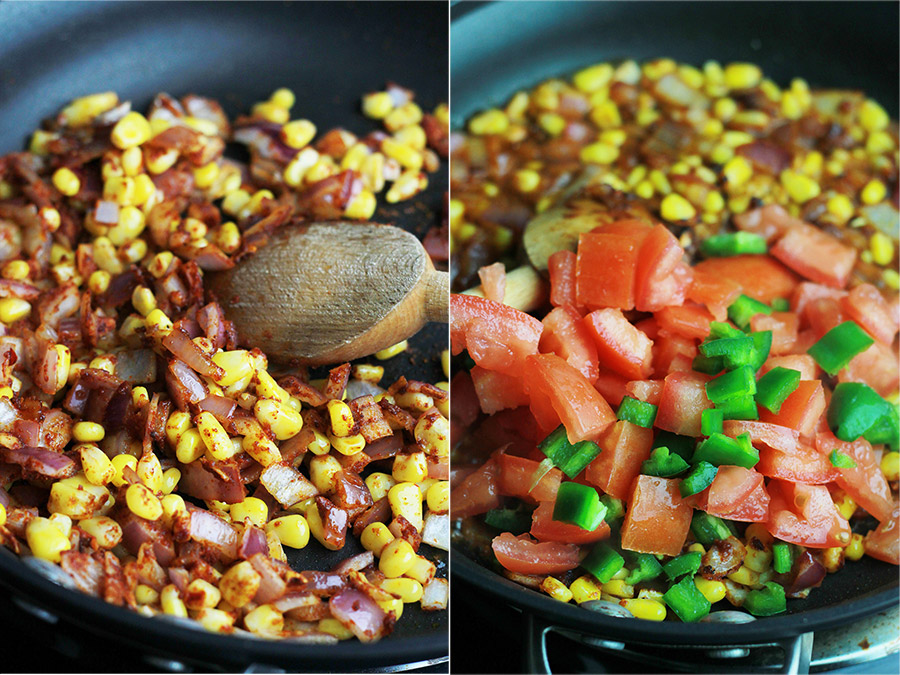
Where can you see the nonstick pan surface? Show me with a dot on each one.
(833, 44)
(237, 52)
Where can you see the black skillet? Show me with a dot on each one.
(238, 53)
(842, 45)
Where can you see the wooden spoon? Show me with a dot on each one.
(331, 292)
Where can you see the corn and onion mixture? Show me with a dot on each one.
(144, 455)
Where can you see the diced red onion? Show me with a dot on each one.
(207, 528)
(40, 460)
(286, 484)
(360, 614)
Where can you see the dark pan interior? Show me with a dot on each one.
(237, 52)
(839, 44)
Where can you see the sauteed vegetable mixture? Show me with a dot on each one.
(706, 408)
(147, 458)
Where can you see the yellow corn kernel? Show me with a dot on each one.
(737, 171)
(396, 558)
(145, 595)
(599, 153)
(84, 109)
(413, 136)
(840, 206)
(855, 548)
(256, 444)
(341, 417)
(593, 78)
(271, 112)
(377, 105)
(873, 192)
(283, 98)
(236, 364)
(606, 115)
(408, 184)
(348, 445)
(63, 522)
(130, 131)
(642, 608)
(17, 270)
(618, 588)
(130, 225)
(334, 628)
(239, 584)
(140, 397)
(872, 116)
(143, 300)
(106, 362)
(281, 419)
(368, 373)
(372, 170)
(879, 142)
(169, 480)
(87, 432)
(297, 168)
(375, 537)
(445, 362)
(890, 465)
(800, 188)
(491, 121)
(38, 144)
(200, 593)
(882, 249)
(845, 504)
(250, 509)
(292, 530)
(189, 446)
(323, 472)
(298, 133)
(411, 468)
(215, 620)
(362, 206)
(319, 445)
(526, 180)
(65, 180)
(106, 531)
(757, 561)
(2, 515)
(406, 500)
(403, 116)
(584, 588)
(178, 422)
(422, 570)
(171, 602)
(172, 506)
(205, 176)
(217, 443)
(432, 432)
(744, 575)
(119, 463)
(711, 590)
(392, 351)
(45, 539)
(408, 157)
(235, 201)
(742, 75)
(553, 123)
(228, 237)
(142, 502)
(13, 309)
(63, 363)
(268, 388)
(379, 484)
(132, 161)
(95, 464)
(556, 589)
(408, 590)
(438, 497)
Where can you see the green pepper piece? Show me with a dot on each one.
(687, 601)
(773, 388)
(745, 308)
(762, 345)
(568, 458)
(838, 346)
(686, 563)
(738, 383)
(663, 464)
(743, 408)
(854, 409)
(781, 304)
(782, 557)
(733, 243)
(708, 366)
(719, 449)
(707, 529)
(766, 601)
(579, 505)
(615, 508)
(680, 445)
(734, 351)
(840, 460)
(886, 430)
(711, 421)
(517, 521)
(637, 412)
(700, 477)
(603, 562)
(720, 329)
(646, 567)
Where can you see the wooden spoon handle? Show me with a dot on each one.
(437, 297)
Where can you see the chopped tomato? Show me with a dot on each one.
(497, 391)
(655, 285)
(823, 314)
(736, 493)
(865, 482)
(561, 268)
(524, 556)
(631, 227)
(816, 255)
(804, 465)
(566, 336)
(754, 508)
(784, 327)
(465, 401)
(682, 402)
(478, 493)
(690, 321)
(649, 391)
(773, 436)
(605, 270)
(805, 515)
(544, 528)
(623, 449)
(770, 221)
(806, 292)
(800, 362)
(621, 347)
(714, 291)
(498, 337)
(800, 410)
(493, 281)
(517, 474)
(866, 305)
(877, 367)
(759, 276)
(883, 542)
(611, 386)
(673, 353)
(657, 518)
(648, 327)
(559, 393)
